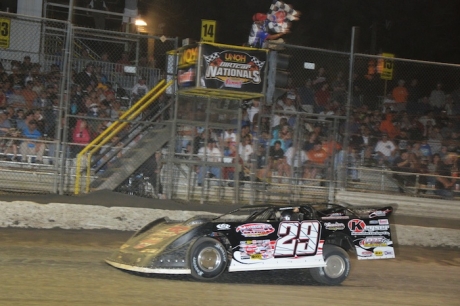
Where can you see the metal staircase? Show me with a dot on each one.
(152, 140)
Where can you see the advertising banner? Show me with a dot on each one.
(186, 72)
(232, 69)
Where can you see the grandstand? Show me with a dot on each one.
(70, 124)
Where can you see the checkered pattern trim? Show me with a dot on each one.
(257, 62)
(210, 58)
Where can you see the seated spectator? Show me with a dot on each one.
(438, 99)
(26, 65)
(385, 150)
(274, 164)
(30, 145)
(29, 95)
(432, 166)
(425, 148)
(41, 101)
(322, 98)
(210, 153)
(402, 163)
(317, 158)
(86, 77)
(444, 180)
(388, 127)
(402, 141)
(400, 95)
(81, 136)
(139, 90)
(253, 110)
(16, 100)
(294, 160)
(246, 151)
(122, 62)
(229, 172)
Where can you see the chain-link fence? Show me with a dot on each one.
(64, 87)
(61, 87)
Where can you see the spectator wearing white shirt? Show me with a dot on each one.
(254, 109)
(209, 153)
(245, 150)
(140, 89)
(385, 150)
(438, 98)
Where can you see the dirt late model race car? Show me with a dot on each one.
(263, 237)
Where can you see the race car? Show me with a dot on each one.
(261, 237)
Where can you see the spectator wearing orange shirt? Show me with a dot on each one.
(29, 95)
(387, 127)
(400, 95)
(316, 161)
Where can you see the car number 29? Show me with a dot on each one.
(297, 239)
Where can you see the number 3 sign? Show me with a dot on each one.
(297, 239)
(5, 33)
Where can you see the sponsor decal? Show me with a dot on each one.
(255, 229)
(335, 217)
(359, 227)
(223, 226)
(188, 56)
(233, 68)
(379, 213)
(370, 233)
(257, 249)
(374, 221)
(336, 226)
(378, 253)
(383, 221)
(388, 253)
(366, 253)
(373, 242)
(356, 225)
(186, 77)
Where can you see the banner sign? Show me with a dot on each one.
(186, 74)
(5, 29)
(387, 66)
(208, 30)
(233, 69)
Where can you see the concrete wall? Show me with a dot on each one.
(74, 216)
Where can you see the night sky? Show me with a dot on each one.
(416, 29)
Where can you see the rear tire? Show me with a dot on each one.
(208, 259)
(337, 266)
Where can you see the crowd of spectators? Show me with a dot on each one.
(411, 130)
(30, 109)
(412, 133)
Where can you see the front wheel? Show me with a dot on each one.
(337, 266)
(208, 259)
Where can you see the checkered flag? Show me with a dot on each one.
(291, 14)
(210, 58)
(280, 17)
(257, 62)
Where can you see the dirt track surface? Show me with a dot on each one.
(65, 267)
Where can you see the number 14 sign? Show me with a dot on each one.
(208, 30)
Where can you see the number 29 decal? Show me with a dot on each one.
(297, 239)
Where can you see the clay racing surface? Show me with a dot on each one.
(65, 267)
